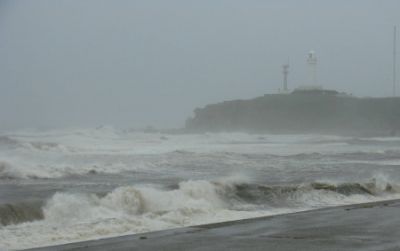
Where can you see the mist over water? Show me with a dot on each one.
(71, 185)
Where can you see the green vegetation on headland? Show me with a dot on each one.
(301, 112)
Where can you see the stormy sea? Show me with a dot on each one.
(70, 185)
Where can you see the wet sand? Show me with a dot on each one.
(370, 226)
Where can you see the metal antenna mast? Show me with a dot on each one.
(285, 76)
(394, 59)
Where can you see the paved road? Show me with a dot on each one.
(372, 226)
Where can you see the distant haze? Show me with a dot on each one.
(135, 63)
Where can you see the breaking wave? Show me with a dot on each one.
(67, 217)
(94, 160)
(8, 141)
(21, 212)
(50, 167)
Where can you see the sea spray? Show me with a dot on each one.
(134, 209)
(97, 183)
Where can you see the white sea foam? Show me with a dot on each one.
(74, 217)
(283, 160)
(135, 209)
(61, 153)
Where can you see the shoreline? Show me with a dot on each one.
(365, 226)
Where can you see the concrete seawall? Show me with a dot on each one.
(370, 226)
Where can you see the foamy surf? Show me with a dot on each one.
(72, 185)
(68, 217)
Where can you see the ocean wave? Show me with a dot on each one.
(11, 169)
(27, 169)
(380, 141)
(14, 213)
(14, 143)
(370, 155)
(67, 217)
(8, 141)
(203, 196)
(7, 171)
(34, 166)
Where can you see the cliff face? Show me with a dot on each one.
(300, 113)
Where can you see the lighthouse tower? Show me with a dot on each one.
(312, 70)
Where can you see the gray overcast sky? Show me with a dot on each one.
(151, 62)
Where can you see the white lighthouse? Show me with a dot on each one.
(312, 86)
(312, 70)
(312, 82)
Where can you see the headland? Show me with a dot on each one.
(302, 111)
